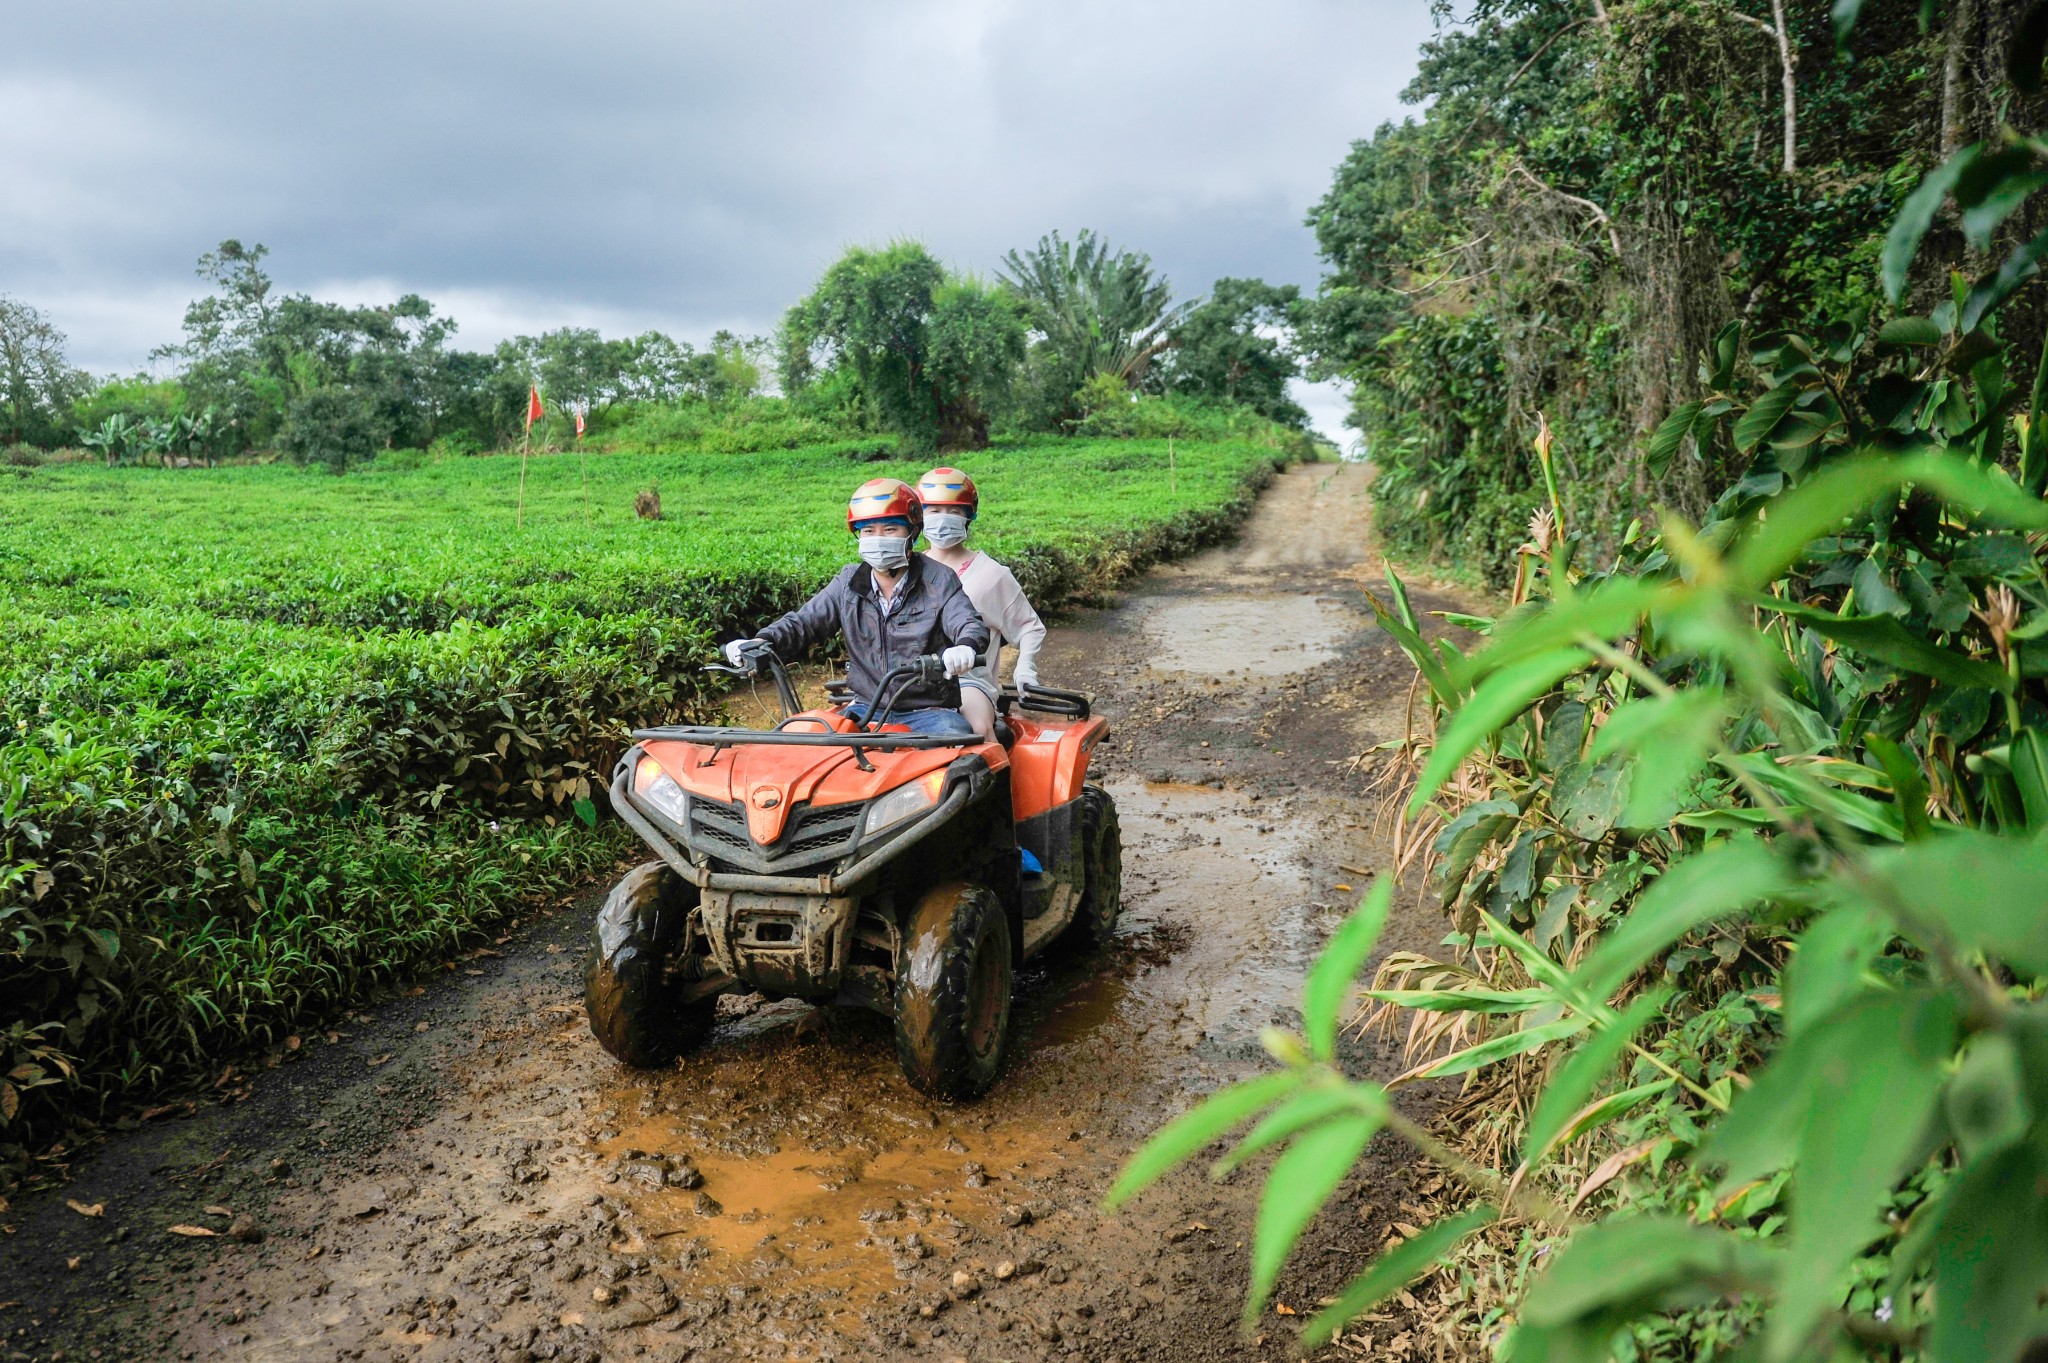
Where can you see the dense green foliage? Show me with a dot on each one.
(1743, 827)
(1587, 200)
(932, 351)
(270, 736)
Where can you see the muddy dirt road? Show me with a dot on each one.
(460, 1173)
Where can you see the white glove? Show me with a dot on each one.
(1025, 676)
(736, 651)
(959, 660)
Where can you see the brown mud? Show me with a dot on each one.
(461, 1174)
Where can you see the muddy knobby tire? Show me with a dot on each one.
(953, 992)
(1102, 870)
(634, 1003)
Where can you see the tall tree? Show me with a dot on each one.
(37, 382)
(1096, 310)
(929, 350)
(1233, 347)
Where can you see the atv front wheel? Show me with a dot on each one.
(953, 992)
(635, 1004)
(1102, 871)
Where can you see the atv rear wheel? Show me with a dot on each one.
(953, 992)
(1102, 871)
(634, 1001)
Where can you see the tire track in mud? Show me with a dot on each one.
(460, 1173)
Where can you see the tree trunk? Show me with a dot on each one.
(1788, 66)
(1960, 21)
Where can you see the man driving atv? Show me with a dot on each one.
(892, 607)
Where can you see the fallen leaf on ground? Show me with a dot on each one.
(1609, 1169)
(96, 1209)
(1281, 1308)
(194, 1230)
(1345, 888)
(380, 1059)
(1410, 1231)
(555, 948)
(73, 1262)
(218, 1210)
(1199, 1225)
(292, 1043)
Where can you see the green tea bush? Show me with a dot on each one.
(268, 737)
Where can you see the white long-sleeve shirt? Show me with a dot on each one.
(1007, 612)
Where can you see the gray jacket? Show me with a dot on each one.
(932, 613)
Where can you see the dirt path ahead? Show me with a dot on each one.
(460, 1173)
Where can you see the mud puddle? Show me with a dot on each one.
(469, 1177)
(1261, 635)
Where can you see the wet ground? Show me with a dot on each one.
(460, 1173)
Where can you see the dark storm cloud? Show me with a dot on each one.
(657, 164)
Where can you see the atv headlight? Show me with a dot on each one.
(659, 789)
(904, 801)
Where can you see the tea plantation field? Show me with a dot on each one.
(270, 737)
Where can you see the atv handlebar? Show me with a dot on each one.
(752, 659)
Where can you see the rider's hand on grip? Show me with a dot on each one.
(959, 660)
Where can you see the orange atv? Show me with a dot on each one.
(855, 863)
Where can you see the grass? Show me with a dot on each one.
(270, 737)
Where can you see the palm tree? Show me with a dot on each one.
(1100, 311)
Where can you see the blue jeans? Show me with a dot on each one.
(935, 720)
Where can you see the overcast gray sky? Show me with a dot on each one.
(631, 163)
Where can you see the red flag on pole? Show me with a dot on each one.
(579, 421)
(534, 411)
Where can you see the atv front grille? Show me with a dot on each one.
(811, 834)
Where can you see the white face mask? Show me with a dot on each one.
(945, 528)
(884, 553)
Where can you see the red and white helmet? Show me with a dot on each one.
(951, 488)
(885, 499)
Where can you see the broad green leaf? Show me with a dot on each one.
(1189, 1132)
(1987, 492)
(1393, 1271)
(1499, 699)
(1503, 1048)
(1411, 643)
(1648, 720)
(1885, 639)
(1712, 884)
(1763, 415)
(1634, 1263)
(1814, 508)
(1296, 1114)
(1466, 836)
(1909, 786)
(1583, 1071)
(1803, 790)
(1300, 1182)
(1991, 1259)
(1902, 243)
(1541, 968)
(1669, 435)
(1984, 891)
(2022, 264)
(1492, 1001)
(1608, 610)
(1873, 1084)
(2027, 759)
(1903, 331)
(1598, 1114)
(1589, 798)
(1330, 979)
(1830, 966)
(1987, 1103)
